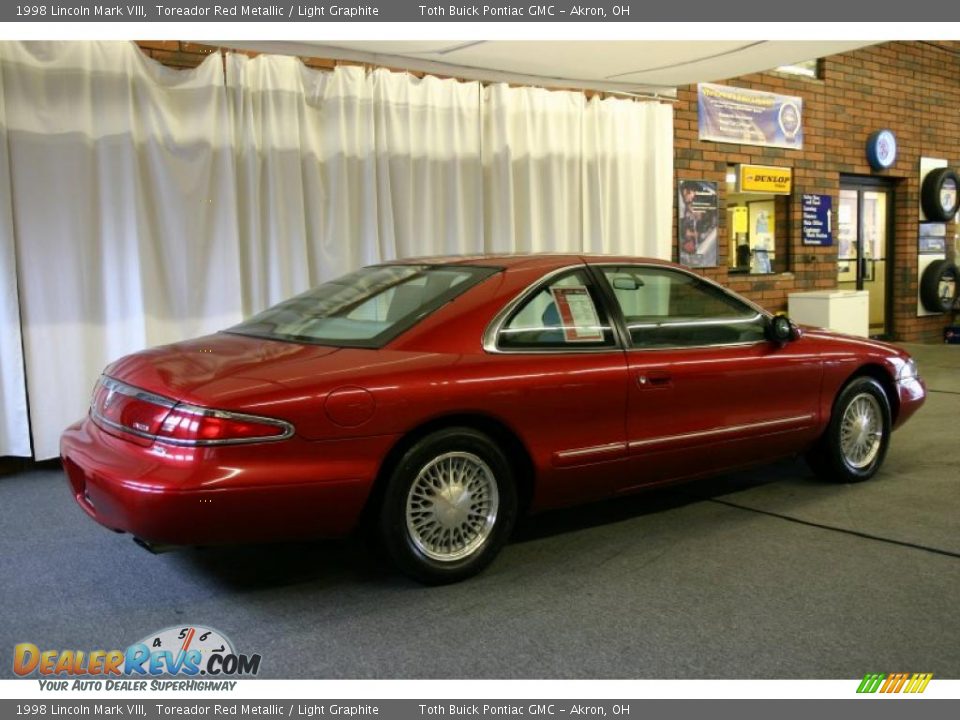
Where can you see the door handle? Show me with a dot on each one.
(652, 379)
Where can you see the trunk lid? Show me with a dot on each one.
(216, 368)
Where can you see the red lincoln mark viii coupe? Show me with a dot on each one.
(437, 399)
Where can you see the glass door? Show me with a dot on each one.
(864, 239)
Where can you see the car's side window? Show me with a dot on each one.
(564, 313)
(668, 308)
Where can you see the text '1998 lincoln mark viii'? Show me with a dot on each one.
(433, 401)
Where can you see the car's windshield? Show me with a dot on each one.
(366, 308)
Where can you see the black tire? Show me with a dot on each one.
(828, 458)
(930, 194)
(409, 548)
(931, 294)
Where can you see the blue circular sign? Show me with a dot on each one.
(882, 149)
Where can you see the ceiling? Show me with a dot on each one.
(633, 66)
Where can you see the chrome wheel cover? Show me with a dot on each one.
(861, 431)
(452, 506)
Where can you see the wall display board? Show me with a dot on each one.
(817, 223)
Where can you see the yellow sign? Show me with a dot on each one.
(741, 221)
(764, 179)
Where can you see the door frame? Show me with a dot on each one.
(888, 185)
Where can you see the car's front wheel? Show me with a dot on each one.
(449, 506)
(855, 442)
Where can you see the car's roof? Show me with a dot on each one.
(518, 260)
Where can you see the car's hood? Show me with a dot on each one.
(841, 342)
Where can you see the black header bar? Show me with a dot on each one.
(599, 11)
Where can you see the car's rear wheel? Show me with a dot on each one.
(855, 442)
(449, 506)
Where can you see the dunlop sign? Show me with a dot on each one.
(764, 179)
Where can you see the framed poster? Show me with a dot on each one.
(697, 220)
(762, 232)
(932, 238)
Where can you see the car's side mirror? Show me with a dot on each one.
(626, 282)
(781, 330)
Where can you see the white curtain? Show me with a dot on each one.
(429, 176)
(150, 205)
(566, 174)
(533, 164)
(124, 210)
(628, 178)
(343, 169)
(338, 169)
(14, 430)
(292, 204)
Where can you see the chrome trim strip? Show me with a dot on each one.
(721, 431)
(675, 348)
(135, 392)
(492, 331)
(696, 323)
(595, 450)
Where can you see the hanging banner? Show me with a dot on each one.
(749, 117)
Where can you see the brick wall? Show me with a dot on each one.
(913, 88)
(180, 54)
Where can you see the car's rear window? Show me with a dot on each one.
(366, 308)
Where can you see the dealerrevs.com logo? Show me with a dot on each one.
(188, 653)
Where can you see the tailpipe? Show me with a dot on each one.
(153, 548)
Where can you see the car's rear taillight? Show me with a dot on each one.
(122, 407)
(191, 425)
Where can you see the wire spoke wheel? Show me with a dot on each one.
(452, 506)
(861, 431)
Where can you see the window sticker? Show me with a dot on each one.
(577, 313)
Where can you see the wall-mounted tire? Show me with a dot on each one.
(935, 294)
(930, 194)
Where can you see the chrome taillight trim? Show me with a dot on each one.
(135, 392)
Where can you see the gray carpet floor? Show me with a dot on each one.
(762, 574)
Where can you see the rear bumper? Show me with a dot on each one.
(289, 490)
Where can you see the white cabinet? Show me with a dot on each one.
(846, 311)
